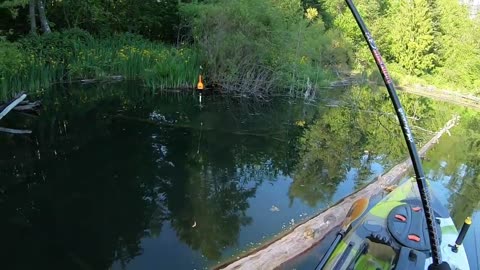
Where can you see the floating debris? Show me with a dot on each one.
(194, 224)
(309, 233)
(274, 209)
(390, 188)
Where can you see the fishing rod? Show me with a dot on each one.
(407, 134)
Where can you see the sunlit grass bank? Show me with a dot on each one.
(35, 63)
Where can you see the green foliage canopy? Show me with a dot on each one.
(412, 37)
(254, 46)
(257, 45)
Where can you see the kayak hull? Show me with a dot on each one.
(394, 235)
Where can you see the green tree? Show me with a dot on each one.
(33, 4)
(336, 15)
(411, 39)
(460, 52)
(152, 19)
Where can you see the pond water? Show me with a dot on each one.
(453, 166)
(115, 177)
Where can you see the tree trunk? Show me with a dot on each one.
(43, 17)
(33, 20)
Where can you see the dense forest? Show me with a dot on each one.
(248, 47)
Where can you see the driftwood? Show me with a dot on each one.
(108, 78)
(299, 239)
(17, 104)
(4, 110)
(27, 106)
(15, 131)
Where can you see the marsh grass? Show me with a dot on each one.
(57, 60)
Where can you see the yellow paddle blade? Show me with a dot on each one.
(357, 209)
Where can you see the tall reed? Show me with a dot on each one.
(57, 60)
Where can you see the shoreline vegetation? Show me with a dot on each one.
(75, 55)
(244, 48)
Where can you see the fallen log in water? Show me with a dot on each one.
(108, 78)
(452, 97)
(5, 109)
(15, 131)
(27, 106)
(311, 232)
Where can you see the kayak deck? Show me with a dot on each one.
(394, 235)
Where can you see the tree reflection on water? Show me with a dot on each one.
(110, 166)
(456, 160)
(352, 135)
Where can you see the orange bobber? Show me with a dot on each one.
(200, 85)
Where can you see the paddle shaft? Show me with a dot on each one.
(356, 210)
(330, 250)
(407, 133)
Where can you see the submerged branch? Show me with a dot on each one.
(267, 135)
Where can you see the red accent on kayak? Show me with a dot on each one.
(413, 237)
(401, 218)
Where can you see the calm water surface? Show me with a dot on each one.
(115, 178)
(453, 166)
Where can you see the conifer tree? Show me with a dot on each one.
(412, 36)
(460, 50)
